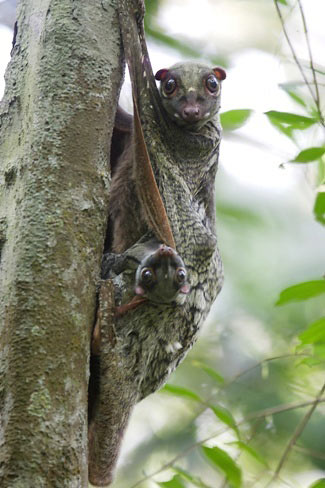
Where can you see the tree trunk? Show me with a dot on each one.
(56, 119)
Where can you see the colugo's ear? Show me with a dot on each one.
(220, 73)
(161, 74)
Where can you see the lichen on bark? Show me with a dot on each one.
(56, 116)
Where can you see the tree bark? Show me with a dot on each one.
(56, 120)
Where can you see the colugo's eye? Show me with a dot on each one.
(212, 84)
(147, 275)
(180, 275)
(170, 86)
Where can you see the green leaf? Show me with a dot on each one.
(319, 351)
(319, 208)
(318, 484)
(314, 333)
(308, 155)
(285, 129)
(250, 450)
(193, 50)
(180, 391)
(234, 119)
(175, 482)
(226, 464)
(284, 2)
(296, 98)
(193, 479)
(311, 362)
(302, 291)
(295, 121)
(316, 354)
(159, 35)
(321, 172)
(210, 371)
(225, 416)
(151, 9)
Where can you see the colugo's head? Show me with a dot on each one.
(161, 276)
(190, 92)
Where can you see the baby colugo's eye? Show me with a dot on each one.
(170, 86)
(180, 275)
(147, 275)
(212, 84)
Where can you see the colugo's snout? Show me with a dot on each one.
(191, 113)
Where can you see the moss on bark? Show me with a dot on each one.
(56, 118)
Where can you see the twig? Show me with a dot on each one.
(293, 51)
(260, 476)
(256, 415)
(279, 409)
(311, 62)
(299, 429)
(260, 363)
(310, 452)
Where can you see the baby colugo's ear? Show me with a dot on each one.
(161, 74)
(219, 72)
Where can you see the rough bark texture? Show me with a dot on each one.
(55, 127)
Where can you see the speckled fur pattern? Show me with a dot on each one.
(188, 193)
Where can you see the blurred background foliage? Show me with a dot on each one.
(246, 407)
(242, 409)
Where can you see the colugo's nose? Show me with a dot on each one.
(191, 113)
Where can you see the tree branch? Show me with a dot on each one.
(293, 52)
(299, 429)
(56, 118)
(311, 61)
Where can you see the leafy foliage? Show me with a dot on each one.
(225, 416)
(251, 451)
(210, 371)
(234, 119)
(175, 482)
(189, 477)
(221, 460)
(182, 392)
(302, 291)
(315, 333)
(319, 208)
(292, 121)
(318, 484)
(308, 155)
(185, 47)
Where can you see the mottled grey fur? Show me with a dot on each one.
(151, 340)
